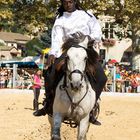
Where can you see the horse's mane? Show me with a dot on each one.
(91, 53)
(68, 44)
(91, 61)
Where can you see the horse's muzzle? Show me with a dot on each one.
(76, 78)
(75, 87)
(78, 72)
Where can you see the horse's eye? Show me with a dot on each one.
(86, 58)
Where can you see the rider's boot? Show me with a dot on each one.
(42, 111)
(47, 106)
(94, 114)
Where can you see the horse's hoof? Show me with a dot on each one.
(56, 138)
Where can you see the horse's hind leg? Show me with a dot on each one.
(83, 128)
(56, 126)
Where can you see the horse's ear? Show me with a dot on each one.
(84, 43)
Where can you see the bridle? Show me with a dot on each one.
(76, 70)
(65, 87)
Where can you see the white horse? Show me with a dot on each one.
(76, 99)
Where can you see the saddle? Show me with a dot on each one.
(60, 65)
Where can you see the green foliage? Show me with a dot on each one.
(6, 14)
(24, 17)
(1, 44)
(127, 15)
(34, 47)
(29, 16)
(45, 38)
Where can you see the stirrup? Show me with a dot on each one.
(96, 110)
(40, 112)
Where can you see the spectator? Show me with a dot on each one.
(138, 79)
(2, 78)
(6, 74)
(127, 82)
(36, 88)
(134, 82)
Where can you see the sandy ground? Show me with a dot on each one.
(120, 118)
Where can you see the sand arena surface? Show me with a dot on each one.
(120, 118)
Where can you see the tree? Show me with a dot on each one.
(45, 38)
(26, 17)
(31, 17)
(128, 16)
(126, 13)
(34, 47)
(6, 14)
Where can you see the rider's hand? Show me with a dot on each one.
(50, 60)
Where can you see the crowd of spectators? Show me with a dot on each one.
(22, 78)
(125, 79)
(5, 76)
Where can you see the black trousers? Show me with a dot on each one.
(36, 97)
(52, 77)
(99, 80)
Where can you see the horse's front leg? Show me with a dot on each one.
(57, 119)
(83, 128)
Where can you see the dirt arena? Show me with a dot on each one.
(120, 118)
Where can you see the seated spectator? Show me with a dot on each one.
(134, 82)
(118, 78)
(138, 79)
(127, 82)
(2, 78)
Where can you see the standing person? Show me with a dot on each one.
(36, 88)
(6, 78)
(71, 19)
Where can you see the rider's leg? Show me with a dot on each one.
(101, 80)
(98, 82)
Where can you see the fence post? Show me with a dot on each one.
(14, 74)
(114, 78)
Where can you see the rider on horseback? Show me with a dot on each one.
(71, 19)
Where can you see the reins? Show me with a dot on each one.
(69, 120)
(65, 85)
(73, 105)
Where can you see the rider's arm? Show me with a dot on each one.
(57, 39)
(95, 29)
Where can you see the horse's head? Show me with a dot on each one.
(76, 63)
(80, 58)
(76, 60)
